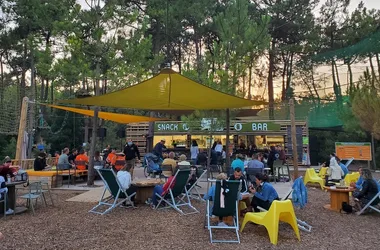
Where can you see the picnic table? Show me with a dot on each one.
(337, 196)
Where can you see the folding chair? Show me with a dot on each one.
(230, 209)
(370, 206)
(34, 193)
(195, 186)
(174, 198)
(112, 185)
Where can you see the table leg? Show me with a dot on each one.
(11, 197)
(336, 200)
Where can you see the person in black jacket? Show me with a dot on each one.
(273, 155)
(131, 151)
(368, 192)
(40, 162)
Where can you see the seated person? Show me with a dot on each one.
(40, 162)
(192, 178)
(334, 172)
(211, 195)
(125, 179)
(3, 193)
(182, 161)
(264, 195)
(170, 161)
(368, 191)
(120, 161)
(359, 183)
(256, 164)
(237, 176)
(238, 162)
(63, 161)
(111, 158)
(161, 190)
(81, 158)
(6, 169)
(343, 167)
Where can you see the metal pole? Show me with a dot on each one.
(294, 137)
(228, 160)
(91, 172)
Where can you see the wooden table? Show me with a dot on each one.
(337, 196)
(145, 188)
(12, 196)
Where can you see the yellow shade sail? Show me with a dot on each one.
(120, 118)
(167, 91)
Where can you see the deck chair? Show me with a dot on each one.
(174, 198)
(230, 209)
(369, 204)
(312, 177)
(279, 211)
(112, 185)
(193, 190)
(349, 162)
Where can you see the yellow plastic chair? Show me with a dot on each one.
(279, 211)
(353, 177)
(312, 177)
(322, 172)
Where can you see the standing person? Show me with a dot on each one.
(219, 148)
(252, 149)
(131, 151)
(202, 158)
(159, 148)
(194, 151)
(273, 155)
(72, 157)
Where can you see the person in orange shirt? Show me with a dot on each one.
(81, 158)
(120, 161)
(111, 158)
(56, 155)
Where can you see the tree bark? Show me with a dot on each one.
(2, 87)
(250, 81)
(270, 80)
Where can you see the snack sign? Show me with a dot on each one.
(360, 151)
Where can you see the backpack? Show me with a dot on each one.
(346, 207)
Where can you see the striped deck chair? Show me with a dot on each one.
(193, 190)
(174, 198)
(230, 209)
(112, 185)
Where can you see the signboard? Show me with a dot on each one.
(360, 151)
(205, 125)
(256, 126)
(305, 140)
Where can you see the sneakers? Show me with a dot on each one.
(9, 211)
(222, 224)
(148, 201)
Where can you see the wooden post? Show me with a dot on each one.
(228, 159)
(21, 129)
(91, 171)
(373, 151)
(294, 137)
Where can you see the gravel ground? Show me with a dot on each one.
(70, 226)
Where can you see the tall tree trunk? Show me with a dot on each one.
(23, 70)
(2, 86)
(51, 92)
(250, 81)
(289, 74)
(42, 92)
(351, 81)
(270, 80)
(283, 91)
(378, 63)
(373, 78)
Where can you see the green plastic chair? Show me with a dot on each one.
(230, 209)
(174, 198)
(112, 185)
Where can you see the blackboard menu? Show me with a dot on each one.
(299, 141)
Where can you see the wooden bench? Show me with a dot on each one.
(54, 179)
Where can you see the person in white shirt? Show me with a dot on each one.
(125, 180)
(194, 150)
(334, 172)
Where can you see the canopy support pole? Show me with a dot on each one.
(228, 159)
(91, 172)
(21, 130)
(294, 137)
